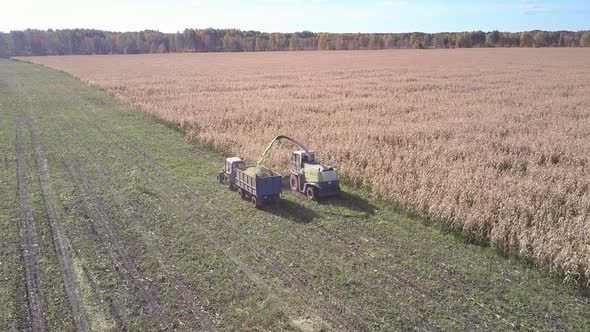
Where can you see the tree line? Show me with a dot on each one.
(88, 41)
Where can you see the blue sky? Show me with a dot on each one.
(297, 15)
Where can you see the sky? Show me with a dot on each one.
(297, 15)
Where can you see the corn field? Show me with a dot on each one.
(493, 143)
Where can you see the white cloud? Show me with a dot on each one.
(284, 2)
(394, 3)
(198, 3)
(532, 7)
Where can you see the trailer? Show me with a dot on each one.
(257, 184)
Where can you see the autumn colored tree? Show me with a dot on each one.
(294, 43)
(540, 39)
(389, 41)
(492, 39)
(440, 41)
(463, 39)
(323, 41)
(261, 43)
(526, 40)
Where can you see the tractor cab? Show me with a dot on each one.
(227, 176)
(300, 158)
(232, 163)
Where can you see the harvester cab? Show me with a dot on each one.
(300, 158)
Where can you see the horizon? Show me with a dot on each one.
(289, 16)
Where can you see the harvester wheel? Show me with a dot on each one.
(311, 193)
(294, 182)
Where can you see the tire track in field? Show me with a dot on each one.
(102, 224)
(333, 312)
(412, 279)
(114, 308)
(36, 319)
(402, 278)
(200, 315)
(409, 278)
(405, 278)
(61, 242)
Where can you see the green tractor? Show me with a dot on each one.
(308, 176)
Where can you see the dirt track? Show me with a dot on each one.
(199, 315)
(30, 246)
(102, 224)
(62, 246)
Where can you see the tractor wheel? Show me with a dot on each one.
(312, 193)
(255, 202)
(226, 181)
(242, 193)
(221, 177)
(294, 182)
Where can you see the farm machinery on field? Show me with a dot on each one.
(308, 176)
(260, 185)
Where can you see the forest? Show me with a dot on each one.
(87, 41)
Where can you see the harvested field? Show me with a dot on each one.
(493, 143)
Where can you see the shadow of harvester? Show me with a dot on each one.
(292, 211)
(351, 202)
